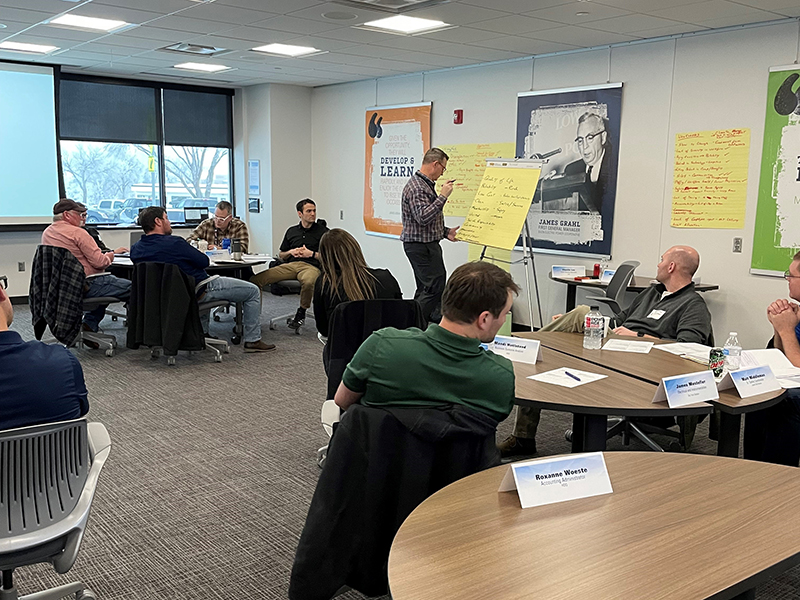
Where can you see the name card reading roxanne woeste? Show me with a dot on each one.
(680, 390)
(552, 480)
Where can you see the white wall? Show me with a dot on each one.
(692, 83)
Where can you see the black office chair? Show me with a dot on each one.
(615, 292)
(47, 482)
(351, 324)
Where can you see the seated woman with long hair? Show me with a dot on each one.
(346, 276)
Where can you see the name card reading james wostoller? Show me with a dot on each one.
(680, 390)
(552, 480)
(517, 349)
(751, 382)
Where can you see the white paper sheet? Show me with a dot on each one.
(787, 374)
(560, 377)
(690, 350)
(626, 346)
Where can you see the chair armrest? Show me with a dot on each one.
(609, 301)
(331, 414)
(99, 439)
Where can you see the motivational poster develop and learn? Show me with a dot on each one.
(709, 188)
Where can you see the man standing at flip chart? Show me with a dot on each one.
(423, 228)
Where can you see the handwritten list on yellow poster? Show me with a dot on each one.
(710, 181)
(501, 204)
(466, 165)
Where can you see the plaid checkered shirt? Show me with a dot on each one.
(208, 231)
(423, 220)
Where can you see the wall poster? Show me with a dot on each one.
(777, 233)
(577, 131)
(396, 137)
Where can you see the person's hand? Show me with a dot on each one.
(120, 250)
(212, 247)
(451, 235)
(305, 252)
(557, 316)
(625, 331)
(447, 188)
(779, 306)
(786, 320)
(296, 252)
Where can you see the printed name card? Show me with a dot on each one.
(517, 349)
(552, 480)
(607, 275)
(680, 390)
(751, 382)
(567, 272)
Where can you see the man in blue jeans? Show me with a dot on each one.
(159, 245)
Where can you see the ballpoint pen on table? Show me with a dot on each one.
(575, 377)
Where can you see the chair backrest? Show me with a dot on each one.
(44, 470)
(619, 282)
(353, 322)
(135, 237)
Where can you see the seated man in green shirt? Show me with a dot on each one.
(444, 365)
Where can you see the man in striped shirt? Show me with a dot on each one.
(423, 227)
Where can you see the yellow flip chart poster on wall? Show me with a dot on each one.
(709, 189)
(466, 165)
(501, 204)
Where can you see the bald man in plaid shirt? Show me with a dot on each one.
(423, 227)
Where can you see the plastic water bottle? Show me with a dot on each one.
(733, 352)
(593, 329)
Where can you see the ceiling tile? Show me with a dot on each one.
(317, 41)
(227, 14)
(479, 55)
(517, 6)
(676, 29)
(524, 45)
(711, 9)
(259, 37)
(778, 6)
(517, 25)
(645, 6)
(118, 13)
(462, 35)
(742, 19)
(188, 25)
(163, 7)
(73, 35)
(155, 34)
(295, 25)
(582, 37)
(23, 16)
(630, 23)
(280, 7)
(51, 7)
(130, 41)
(567, 13)
(416, 43)
(315, 13)
(459, 14)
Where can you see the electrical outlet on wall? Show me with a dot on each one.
(21, 266)
(737, 244)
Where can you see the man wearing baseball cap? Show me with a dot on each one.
(67, 232)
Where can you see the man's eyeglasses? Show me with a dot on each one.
(443, 167)
(4, 282)
(589, 137)
(787, 276)
(222, 219)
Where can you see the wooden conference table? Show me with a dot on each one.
(637, 284)
(676, 526)
(627, 367)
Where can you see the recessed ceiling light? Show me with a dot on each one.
(287, 50)
(28, 48)
(583, 13)
(405, 24)
(336, 15)
(91, 23)
(203, 67)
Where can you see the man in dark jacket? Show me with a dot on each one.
(668, 309)
(159, 245)
(39, 383)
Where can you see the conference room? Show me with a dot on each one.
(213, 465)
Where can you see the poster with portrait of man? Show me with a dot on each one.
(576, 131)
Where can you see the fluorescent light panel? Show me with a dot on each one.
(28, 48)
(287, 50)
(203, 67)
(92, 23)
(405, 24)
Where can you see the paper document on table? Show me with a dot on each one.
(626, 346)
(568, 378)
(689, 350)
(787, 374)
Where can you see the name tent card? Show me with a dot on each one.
(517, 349)
(540, 482)
(680, 390)
(607, 275)
(568, 272)
(751, 382)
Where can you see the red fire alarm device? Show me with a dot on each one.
(458, 116)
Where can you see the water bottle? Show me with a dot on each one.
(202, 245)
(593, 329)
(733, 352)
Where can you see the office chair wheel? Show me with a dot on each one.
(110, 352)
(85, 594)
(568, 435)
(218, 358)
(217, 319)
(155, 353)
(171, 361)
(236, 339)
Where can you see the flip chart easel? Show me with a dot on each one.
(500, 211)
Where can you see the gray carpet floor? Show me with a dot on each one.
(213, 467)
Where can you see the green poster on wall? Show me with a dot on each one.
(777, 233)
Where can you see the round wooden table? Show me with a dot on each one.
(676, 526)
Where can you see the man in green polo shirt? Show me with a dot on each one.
(445, 364)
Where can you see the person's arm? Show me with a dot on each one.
(345, 397)
(193, 256)
(81, 394)
(286, 251)
(200, 232)
(423, 210)
(694, 324)
(244, 236)
(94, 256)
(784, 324)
